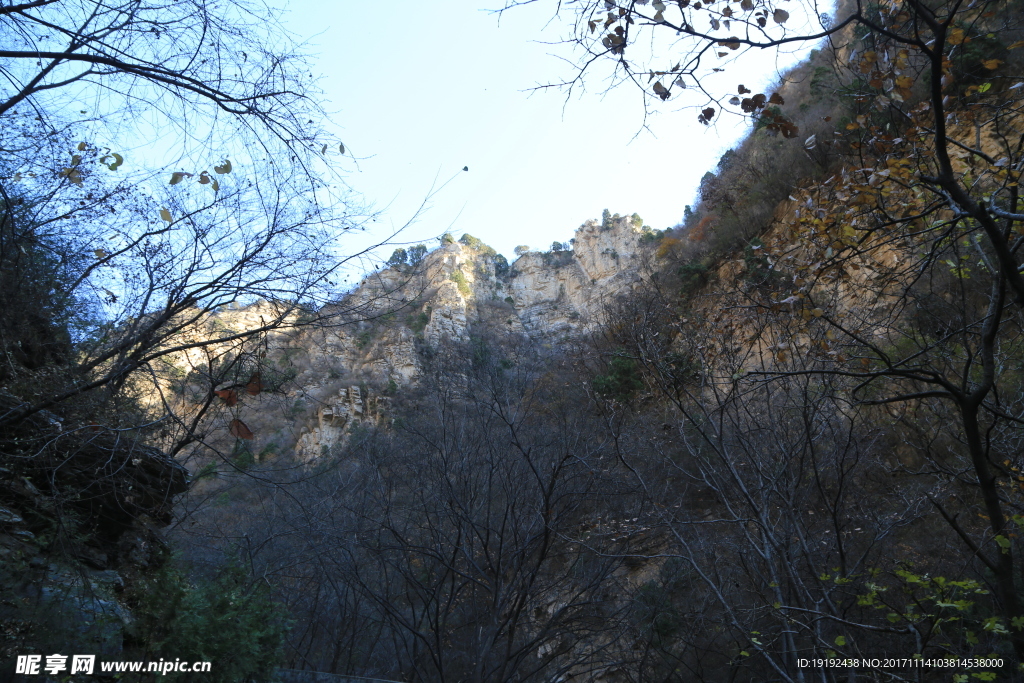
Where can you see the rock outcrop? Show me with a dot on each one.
(80, 511)
(455, 291)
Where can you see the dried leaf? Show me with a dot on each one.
(780, 16)
(73, 175)
(230, 396)
(746, 5)
(166, 215)
(239, 430)
(992, 64)
(116, 162)
(776, 98)
(223, 168)
(255, 385)
(177, 177)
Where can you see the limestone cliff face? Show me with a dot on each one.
(403, 312)
(558, 293)
(458, 286)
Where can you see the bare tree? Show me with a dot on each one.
(469, 541)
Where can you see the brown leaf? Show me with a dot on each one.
(776, 98)
(780, 16)
(230, 396)
(255, 385)
(743, 90)
(239, 430)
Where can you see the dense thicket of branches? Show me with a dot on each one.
(115, 261)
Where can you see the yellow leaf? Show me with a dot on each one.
(112, 165)
(817, 312)
(956, 36)
(1014, 46)
(992, 64)
(73, 175)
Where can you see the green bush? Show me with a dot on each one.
(691, 276)
(621, 380)
(417, 322)
(226, 620)
(459, 278)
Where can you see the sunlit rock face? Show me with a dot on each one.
(559, 293)
(398, 316)
(461, 286)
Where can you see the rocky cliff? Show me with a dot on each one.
(462, 288)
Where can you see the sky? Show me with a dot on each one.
(419, 90)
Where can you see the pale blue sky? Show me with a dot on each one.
(419, 89)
